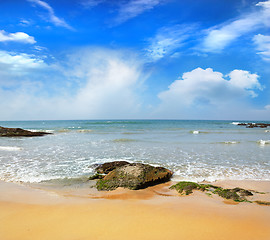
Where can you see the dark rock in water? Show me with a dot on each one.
(134, 176)
(109, 166)
(18, 132)
(254, 125)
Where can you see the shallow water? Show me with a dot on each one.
(194, 150)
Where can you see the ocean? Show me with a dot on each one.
(193, 150)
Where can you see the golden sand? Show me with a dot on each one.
(154, 213)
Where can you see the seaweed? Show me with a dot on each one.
(263, 203)
(236, 194)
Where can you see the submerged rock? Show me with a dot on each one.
(133, 176)
(18, 132)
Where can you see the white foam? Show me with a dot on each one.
(85, 130)
(196, 132)
(7, 148)
(235, 123)
(231, 142)
(40, 130)
(264, 142)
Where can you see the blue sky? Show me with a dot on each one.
(134, 59)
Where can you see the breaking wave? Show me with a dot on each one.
(7, 148)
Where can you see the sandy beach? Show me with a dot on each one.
(153, 213)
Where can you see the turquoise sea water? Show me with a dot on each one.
(193, 150)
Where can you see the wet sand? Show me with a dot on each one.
(153, 213)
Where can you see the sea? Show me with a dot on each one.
(193, 150)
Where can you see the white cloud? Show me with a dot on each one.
(262, 43)
(16, 37)
(19, 62)
(133, 8)
(103, 84)
(245, 80)
(52, 17)
(208, 94)
(220, 37)
(167, 40)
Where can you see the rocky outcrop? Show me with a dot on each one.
(132, 176)
(254, 125)
(18, 132)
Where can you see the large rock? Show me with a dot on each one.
(134, 176)
(18, 132)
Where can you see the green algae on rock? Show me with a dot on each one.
(96, 176)
(263, 203)
(188, 187)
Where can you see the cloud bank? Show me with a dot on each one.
(100, 83)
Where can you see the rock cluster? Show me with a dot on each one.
(254, 125)
(130, 175)
(18, 132)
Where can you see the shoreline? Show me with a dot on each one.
(152, 213)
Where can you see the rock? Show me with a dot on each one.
(254, 125)
(134, 176)
(96, 176)
(18, 132)
(109, 166)
(242, 192)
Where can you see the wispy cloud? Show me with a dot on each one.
(167, 41)
(25, 23)
(16, 37)
(219, 37)
(51, 15)
(262, 43)
(133, 8)
(91, 3)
